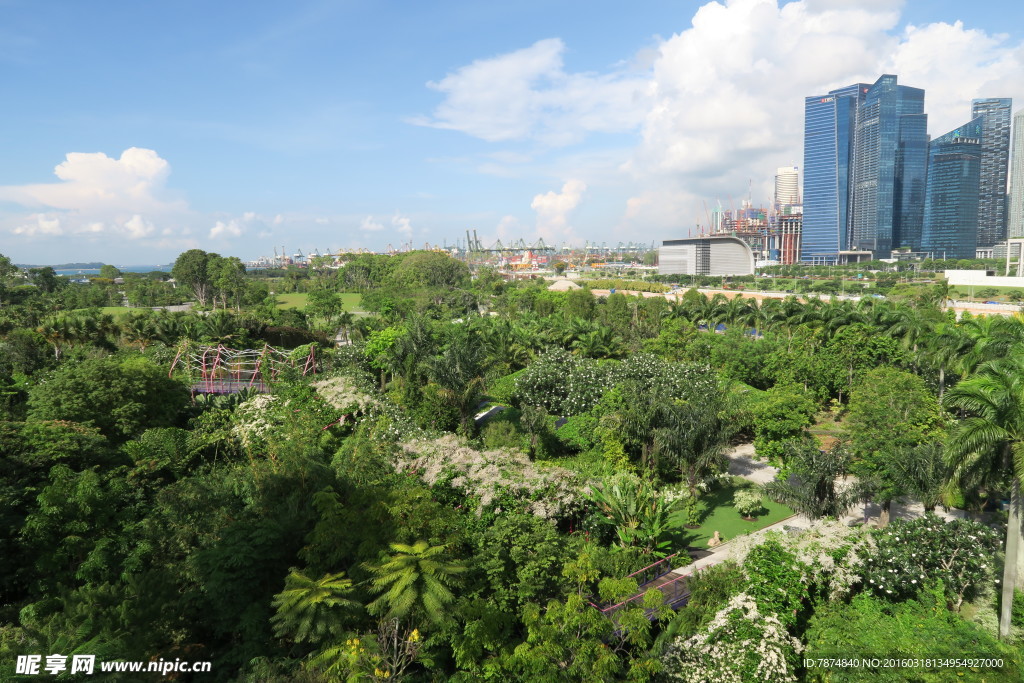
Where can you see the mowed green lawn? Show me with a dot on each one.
(298, 300)
(718, 514)
(963, 291)
(116, 311)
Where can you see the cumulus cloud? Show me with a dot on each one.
(954, 65)
(137, 227)
(401, 224)
(39, 224)
(226, 229)
(371, 225)
(553, 209)
(93, 181)
(719, 105)
(97, 195)
(528, 94)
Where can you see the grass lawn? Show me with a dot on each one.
(350, 300)
(116, 311)
(718, 514)
(962, 292)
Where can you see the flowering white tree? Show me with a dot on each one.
(491, 478)
(741, 644)
(960, 553)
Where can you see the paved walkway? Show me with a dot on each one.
(743, 462)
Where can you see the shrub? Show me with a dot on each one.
(579, 432)
(775, 579)
(501, 434)
(748, 502)
(909, 554)
(923, 628)
(120, 397)
(503, 389)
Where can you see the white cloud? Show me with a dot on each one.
(137, 227)
(99, 196)
(41, 225)
(228, 229)
(401, 224)
(371, 225)
(955, 65)
(553, 209)
(508, 226)
(96, 182)
(527, 94)
(730, 90)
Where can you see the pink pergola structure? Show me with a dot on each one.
(223, 370)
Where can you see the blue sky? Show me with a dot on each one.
(133, 131)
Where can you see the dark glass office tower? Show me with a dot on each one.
(828, 145)
(910, 181)
(889, 167)
(995, 160)
(951, 203)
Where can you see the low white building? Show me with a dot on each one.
(714, 255)
(981, 278)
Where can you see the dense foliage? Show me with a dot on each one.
(467, 485)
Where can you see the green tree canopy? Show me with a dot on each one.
(120, 397)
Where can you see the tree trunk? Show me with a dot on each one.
(1012, 577)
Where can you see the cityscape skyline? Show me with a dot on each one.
(321, 125)
(875, 182)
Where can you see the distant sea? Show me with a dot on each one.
(71, 272)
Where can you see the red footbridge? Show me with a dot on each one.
(224, 370)
(661, 575)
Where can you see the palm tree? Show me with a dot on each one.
(58, 331)
(312, 610)
(994, 337)
(138, 328)
(459, 371)
(987, 450)
(922, 471)
(599, 343)
(945, 350)
(415, 582)
(811, 490)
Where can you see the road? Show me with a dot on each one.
(974, 307)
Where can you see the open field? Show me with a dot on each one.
(963, 291)
(299, 299)
(116, 311)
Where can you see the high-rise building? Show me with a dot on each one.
(829, 122)
(889, 167)
(995, 157)
(1015, 226)
(911, 181)
(952, 198)
(787, 186)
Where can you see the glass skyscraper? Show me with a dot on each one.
(952, 197)
(889, 168)
(995, 158)
(1016, 222)
(829, 122)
